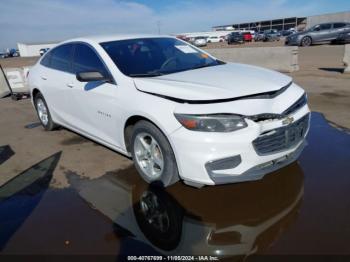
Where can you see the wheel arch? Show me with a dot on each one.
(127, 133)
(309, 36)
(35, 91)
(130, 123)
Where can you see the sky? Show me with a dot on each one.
(56, 20)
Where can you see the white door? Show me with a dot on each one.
(93, 105)
(54, 75)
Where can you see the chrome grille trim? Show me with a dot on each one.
(282, 138)
(302, 101)
(297, 105)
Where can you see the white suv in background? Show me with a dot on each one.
(178, 111)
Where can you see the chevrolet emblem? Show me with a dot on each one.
(288, 120)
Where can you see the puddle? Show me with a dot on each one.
(303, 208)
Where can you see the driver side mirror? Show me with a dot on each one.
(92, 76)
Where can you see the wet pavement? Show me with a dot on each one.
(303, 208)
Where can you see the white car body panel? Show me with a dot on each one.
(219, 82)
(101, 112)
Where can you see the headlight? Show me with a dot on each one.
(212, 123)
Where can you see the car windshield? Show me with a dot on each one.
(147, 57)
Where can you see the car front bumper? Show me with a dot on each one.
(196, 150)
(292, 41)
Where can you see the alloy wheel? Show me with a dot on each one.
(306, 41)
(154, 214)
(149, 155)
(42, 111)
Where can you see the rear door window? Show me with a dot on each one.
(61, 58)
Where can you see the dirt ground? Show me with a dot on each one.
(320, 74)
(18, 61)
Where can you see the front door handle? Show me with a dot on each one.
(43, 78)
(70, 85)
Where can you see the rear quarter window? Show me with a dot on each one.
(46, 60)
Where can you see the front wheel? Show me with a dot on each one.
(306, 41)
(153, 156)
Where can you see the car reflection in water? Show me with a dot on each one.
(229, 220)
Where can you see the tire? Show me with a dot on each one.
(154, 205)
(49, 125)
(148, 133)
(306, 41)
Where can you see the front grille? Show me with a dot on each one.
(282, 138)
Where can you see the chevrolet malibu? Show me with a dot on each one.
(179, 112)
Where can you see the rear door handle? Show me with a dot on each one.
(70, 85)
(43, 78)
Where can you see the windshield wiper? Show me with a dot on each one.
(146, 74)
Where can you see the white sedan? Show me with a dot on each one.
(214, 39)
(178, 111)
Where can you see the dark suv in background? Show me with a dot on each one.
(235, 38)
(321, 33)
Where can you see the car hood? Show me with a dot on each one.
(225, 81)
(299, 33)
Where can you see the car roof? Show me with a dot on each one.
(114, 37)
(337, 22)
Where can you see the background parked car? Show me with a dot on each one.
(321, 33)
(14, 53)
(271, 35)
(10, 53)
(3, 55)
(259, 36)
(214, 39)
(43, 51)
(235, 38)
(247, 37)
(286, 32)
(200, 41)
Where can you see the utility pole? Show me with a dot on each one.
(158, 26)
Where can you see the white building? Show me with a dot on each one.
(33, 49)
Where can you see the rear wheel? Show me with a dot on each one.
(152, 154)
(306, 41)
(44, 113)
